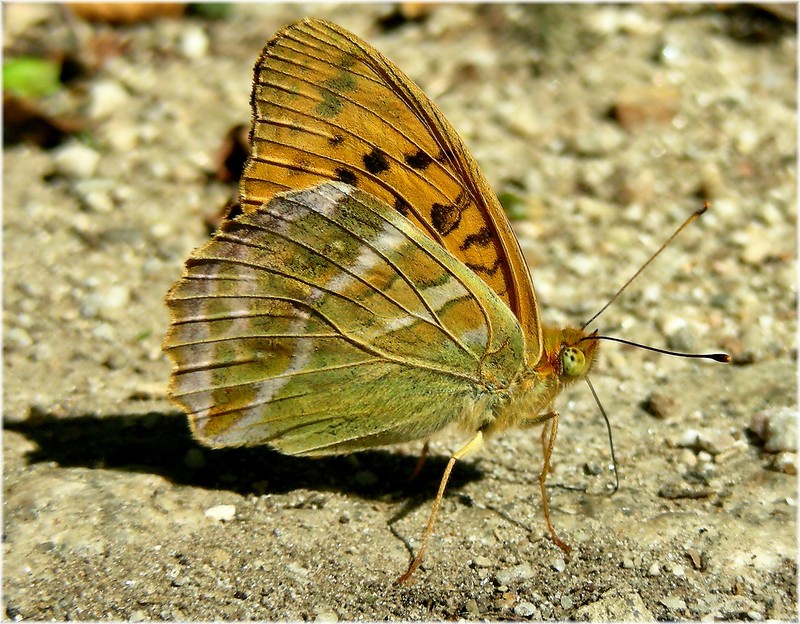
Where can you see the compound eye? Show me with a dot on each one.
(573, 361)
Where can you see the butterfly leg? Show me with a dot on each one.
(420, 462)
(549, 431)
(473, 445)
(551, 426)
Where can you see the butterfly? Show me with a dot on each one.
(372, 290)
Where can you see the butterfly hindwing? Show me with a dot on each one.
(324, 322)
(328, 106)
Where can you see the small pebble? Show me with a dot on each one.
(581, 537)
(221, 513)
(747, 140)
(20, 18)
(618, 604)
(592, 470)
(122, 137)
(759, 245)
(16, 337)
(106, 303)
(524, 609)
(296, 569)
(558, 564)
(104, 331)
(627, 563)
(688, 438)
(673, 602)
(107, 98)
(785, 462)
(115, 297)
(654, 570)
(777, 427)
(142, 391)
(482, 562)
(696, 557)
(715, 441)
(194, 43)
(518, 573)
(97, 200)
(77, 160)
(732, 608)
(708, 441)
(687, 458)
(643, 106)
(660, 405)
(326, 614)
(472, 607)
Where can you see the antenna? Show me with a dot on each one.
(691, 218)
(610, 437)
(717, 357)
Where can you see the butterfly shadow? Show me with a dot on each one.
(161, 443)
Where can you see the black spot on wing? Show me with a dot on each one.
(481, 238)
(336, 140)
(376, 161)
(418, 160)
(480, 268)
(401, 206)
(446, 217)
(343, 174)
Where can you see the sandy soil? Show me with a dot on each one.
(605, 126)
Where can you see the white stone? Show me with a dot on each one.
(78, 160)
(194, 43)
(221, 513)
(107, 98)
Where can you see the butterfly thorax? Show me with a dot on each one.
(567, 356)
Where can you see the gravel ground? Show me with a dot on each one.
(604, 126)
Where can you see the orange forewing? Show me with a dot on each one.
(328, 106)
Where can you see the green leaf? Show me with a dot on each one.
(31, 77)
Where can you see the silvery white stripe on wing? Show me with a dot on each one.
(478, 336)
(366, 261)
(303, 348)
(443, 294)
(439, 295)
(388, 241)
(240, 316)
(200, 378)
(325, 198)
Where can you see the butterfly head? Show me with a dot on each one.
(569, 353)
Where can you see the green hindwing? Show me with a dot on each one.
(325, 322)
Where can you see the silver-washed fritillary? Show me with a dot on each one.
(372, 291)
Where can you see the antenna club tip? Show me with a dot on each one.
(721, 357)
(706, 206)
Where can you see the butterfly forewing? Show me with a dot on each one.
(324, 322)
(328, 106)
